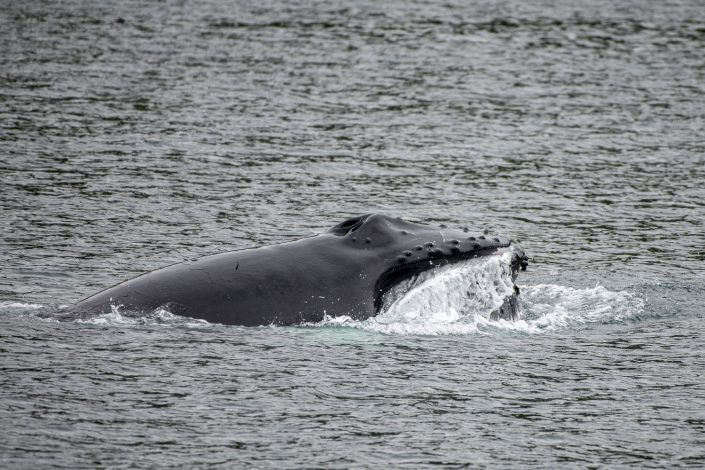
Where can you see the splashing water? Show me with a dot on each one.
(448, 294)
(116, 317)
(458, 300)
(452, 300)
(16, 307)
(159, 316)
(549, 307)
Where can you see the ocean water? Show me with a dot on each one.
(138, 134)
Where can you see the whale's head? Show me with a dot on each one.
(405, 249)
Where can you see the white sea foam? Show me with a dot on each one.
(160, 316)
(453, 300)
(447, 294)
(18, 306)
(549, 307)
(458, 300)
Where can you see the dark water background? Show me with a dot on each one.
(135, 134)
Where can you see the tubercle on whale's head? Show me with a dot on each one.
(407, 242)
(407, 248)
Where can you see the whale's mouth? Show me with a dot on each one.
(476, 286)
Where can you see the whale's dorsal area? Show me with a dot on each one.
(345, 270)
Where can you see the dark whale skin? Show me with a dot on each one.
(344, 271)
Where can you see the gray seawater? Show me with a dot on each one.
(137, 134)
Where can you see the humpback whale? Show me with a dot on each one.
(344, 271)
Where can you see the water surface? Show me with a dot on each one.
(138, 134)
